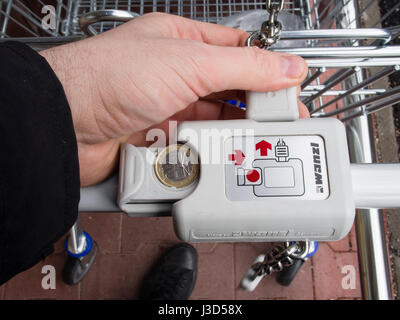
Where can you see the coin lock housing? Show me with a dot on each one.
(278, 177)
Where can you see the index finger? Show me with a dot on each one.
(176, 27)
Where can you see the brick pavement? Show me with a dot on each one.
(129, 246)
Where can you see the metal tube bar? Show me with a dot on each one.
(316, 25)
(318, 15)
(362, 11)
(314, 76)
(365, 33)
(337, 34)
(20, 25)
(376, 185)
(343, 52)
(24, 11)
(332, 14)
(371, 109)
(372, 252)
(104, 15)
(348, 63)
(101, 197)
(340, 76)
(334, 76)
(58, 18)
(6, 18)
(384, 104)
(353, 115)
(69, 19)
(363, 102)
(77, 239)
(326, 85)
(364, 92)
(383, 73)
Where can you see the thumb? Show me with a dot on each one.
(254, 69)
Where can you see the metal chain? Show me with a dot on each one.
(281, 256)
(270, 29)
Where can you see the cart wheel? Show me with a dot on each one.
(286, 276)
(76, 267)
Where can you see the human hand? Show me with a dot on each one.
(156, 68)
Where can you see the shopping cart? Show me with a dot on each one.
(351, 60)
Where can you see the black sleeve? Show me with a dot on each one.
(39, 170)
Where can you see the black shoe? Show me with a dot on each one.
(174, 275)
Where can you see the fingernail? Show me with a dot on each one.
(292, 67)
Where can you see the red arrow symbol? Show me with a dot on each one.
(238, 157)
(263, 146)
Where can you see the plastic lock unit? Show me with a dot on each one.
(271, 177)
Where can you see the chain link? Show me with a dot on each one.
(270, 29)
(281, 256)
(273, 6)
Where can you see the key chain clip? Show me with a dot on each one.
(270, 29)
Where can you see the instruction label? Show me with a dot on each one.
(291, 167)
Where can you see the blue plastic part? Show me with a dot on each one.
(311, 253)
(235, 103)
(89, 244)
(315, 250)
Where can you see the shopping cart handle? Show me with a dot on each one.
(384, 35)
(101, 197)
(374, 186)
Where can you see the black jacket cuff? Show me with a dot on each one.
(39, 169)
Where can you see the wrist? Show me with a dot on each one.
(68, 64)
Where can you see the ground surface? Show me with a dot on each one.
(129, 246)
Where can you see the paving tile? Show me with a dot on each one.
(301, 288)
(221, 266)
(137, 233)
(105, 229)
(328, 276)
(28, 285)
(59, 245)
(119, 276)
(215, 278)
(205, 247)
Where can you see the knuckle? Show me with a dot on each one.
(157, 15)
(262, 60)
(164, 17)
(203, 75)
